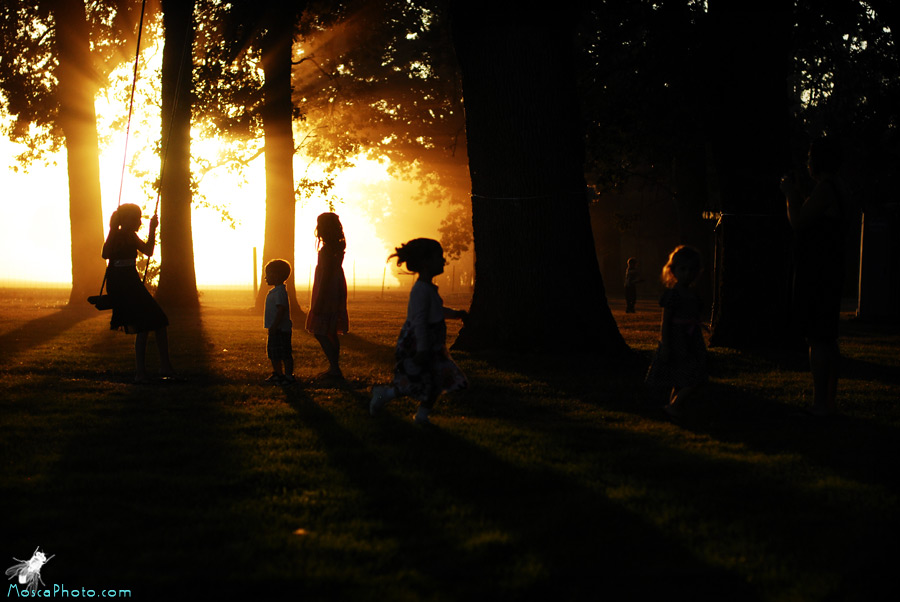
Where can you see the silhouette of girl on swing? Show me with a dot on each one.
(134, 309)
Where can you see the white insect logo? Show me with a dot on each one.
(29, 571)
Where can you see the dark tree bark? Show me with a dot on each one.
(78, 120)
(177, 278)
(749, 131)
(277, 113)
(537, 284)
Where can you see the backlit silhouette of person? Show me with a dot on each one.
(632, 278)
(328, 308)
(277, 321)
(680, 360)
(819, 266)
(134, 310)
(424, 368)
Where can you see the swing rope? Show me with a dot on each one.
(165, 149)
(137, 56)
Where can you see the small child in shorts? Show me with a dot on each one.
(278, 323)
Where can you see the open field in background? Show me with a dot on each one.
(551, 478)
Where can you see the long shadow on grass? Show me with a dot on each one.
(143, 492)
(469, 524)
(41, 330)
(855, 449)
(389, 499)
(376, 351)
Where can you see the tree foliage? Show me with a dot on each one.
(30, 63)
(384, 81)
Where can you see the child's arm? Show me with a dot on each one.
(454, 314)
(147, 247)
(280, 314)
(419, 304)
(820, 203)
(664, 337)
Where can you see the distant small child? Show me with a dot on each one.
(632, 278)
(278, 323)
(424, 368)
(680, 361)
(328, 308)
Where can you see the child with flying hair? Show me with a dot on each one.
(327, 315)
(680, 360)
(277, 320)
(424, 368)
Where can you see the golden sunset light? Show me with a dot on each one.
(247, 350)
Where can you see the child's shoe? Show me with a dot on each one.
(274, 379)
(380, 396)
(421, 417)
(288, 379)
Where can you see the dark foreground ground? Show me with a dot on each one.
(550, 478)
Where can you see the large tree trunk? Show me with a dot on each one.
(177, 278)
(750, 150)
(278, 129)
(77, 87)
(537, 283)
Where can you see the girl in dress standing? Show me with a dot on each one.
(328, 309)
(680, 361)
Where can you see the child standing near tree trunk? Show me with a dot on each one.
(632, 277)
(680, 361)
(278, 323)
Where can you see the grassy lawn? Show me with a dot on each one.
(550, 478)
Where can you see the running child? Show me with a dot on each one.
(424, 368)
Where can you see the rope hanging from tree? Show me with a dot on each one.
(165, 149)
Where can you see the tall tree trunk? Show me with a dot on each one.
(279, 145)
(78, 120)
(749, 54)
(177, 278)
(537, 283)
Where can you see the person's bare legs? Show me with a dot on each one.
(332, 348)
(677, 398)
(277, 367)
(162, 344)
(140, 357)
(425, 408)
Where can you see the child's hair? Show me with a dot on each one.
(279, 268)
(330, 231)
(631, 262)
(415, 252)
(682, 255)
(124, 212)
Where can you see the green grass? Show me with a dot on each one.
(550, 478)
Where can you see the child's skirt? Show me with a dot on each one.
(439, 374)
(134, 308)
(686, 364)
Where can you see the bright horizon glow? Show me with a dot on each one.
(35, 237)
(35, 243)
